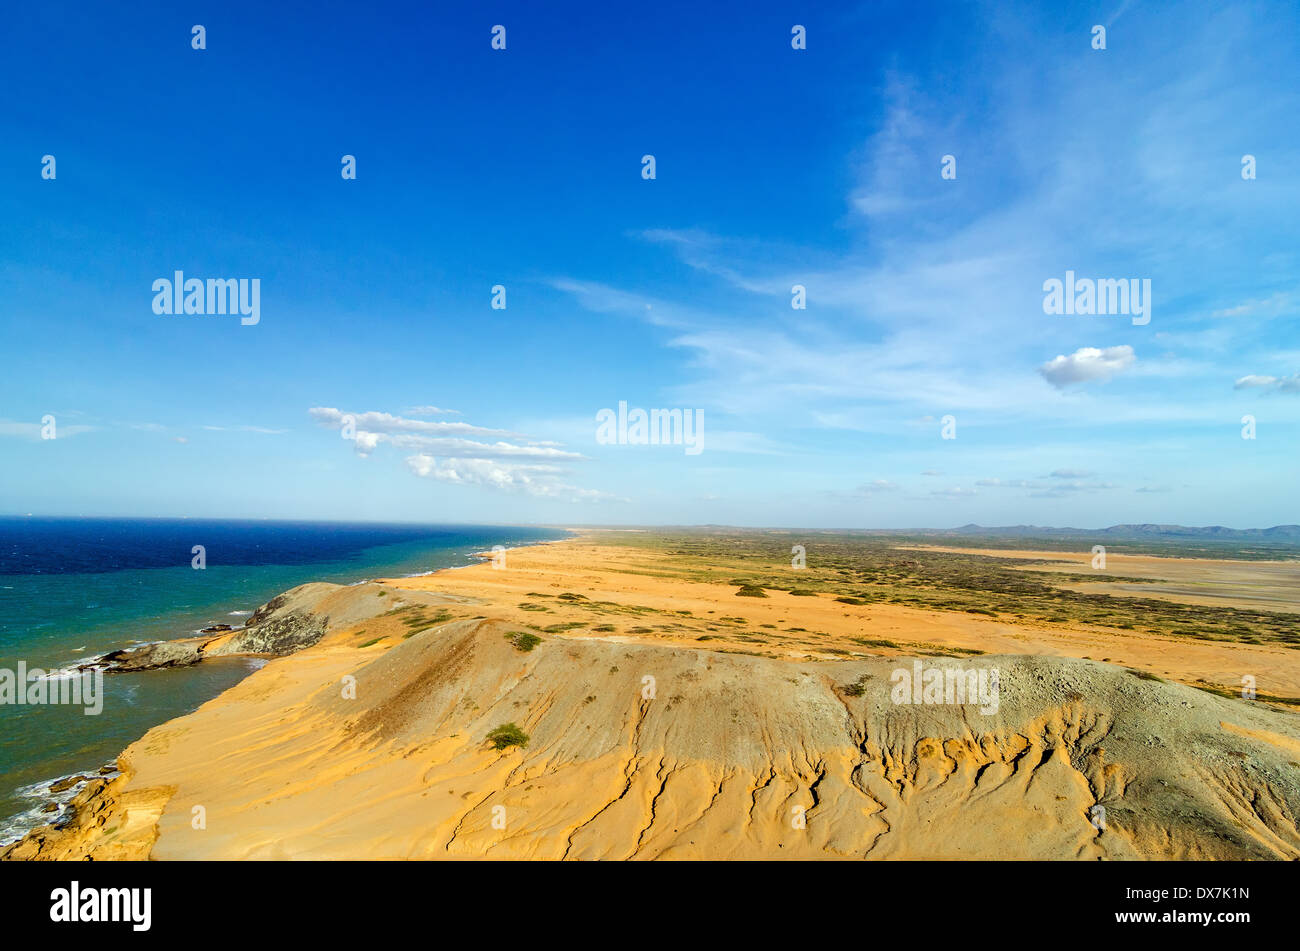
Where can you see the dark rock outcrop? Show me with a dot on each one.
(63, 785)
(154, 656)
(284, 625)
(273, 631)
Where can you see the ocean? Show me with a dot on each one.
(72, 589)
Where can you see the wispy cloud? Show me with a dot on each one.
(25, 430)
(1055, 487)
(1274, 384)
(1274, 305)
(955, 492)
(877, 485)
(540, 481)
(938, 298)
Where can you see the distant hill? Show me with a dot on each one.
(1285, 534)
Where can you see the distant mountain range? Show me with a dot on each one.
(1278, 533)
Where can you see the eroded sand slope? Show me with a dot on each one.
(717, 765)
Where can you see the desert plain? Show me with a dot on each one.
(733, 695)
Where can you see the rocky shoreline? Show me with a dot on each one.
(279, 627)
(290, 622)
(74, 818)
(274, 630)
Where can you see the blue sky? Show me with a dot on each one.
(774, 167)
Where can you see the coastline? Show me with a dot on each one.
(35, 797)
(435, 666)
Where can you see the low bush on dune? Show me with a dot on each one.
(523, 641)
(858, 687)
(1145, 675)
(506, 736)
(751, 591)
(877, 642)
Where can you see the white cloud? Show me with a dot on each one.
(450, 446)
(536, 480)
(1087, 364)
(442, 452)
(1275, 384)
(387, 424)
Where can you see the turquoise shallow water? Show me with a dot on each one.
(72, 589)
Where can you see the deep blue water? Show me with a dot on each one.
(90, 546)
(72, 589)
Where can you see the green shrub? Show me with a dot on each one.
(858, 687)
(506, 736)
(523, 641)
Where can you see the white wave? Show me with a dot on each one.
(13, 828)
(64, 673)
